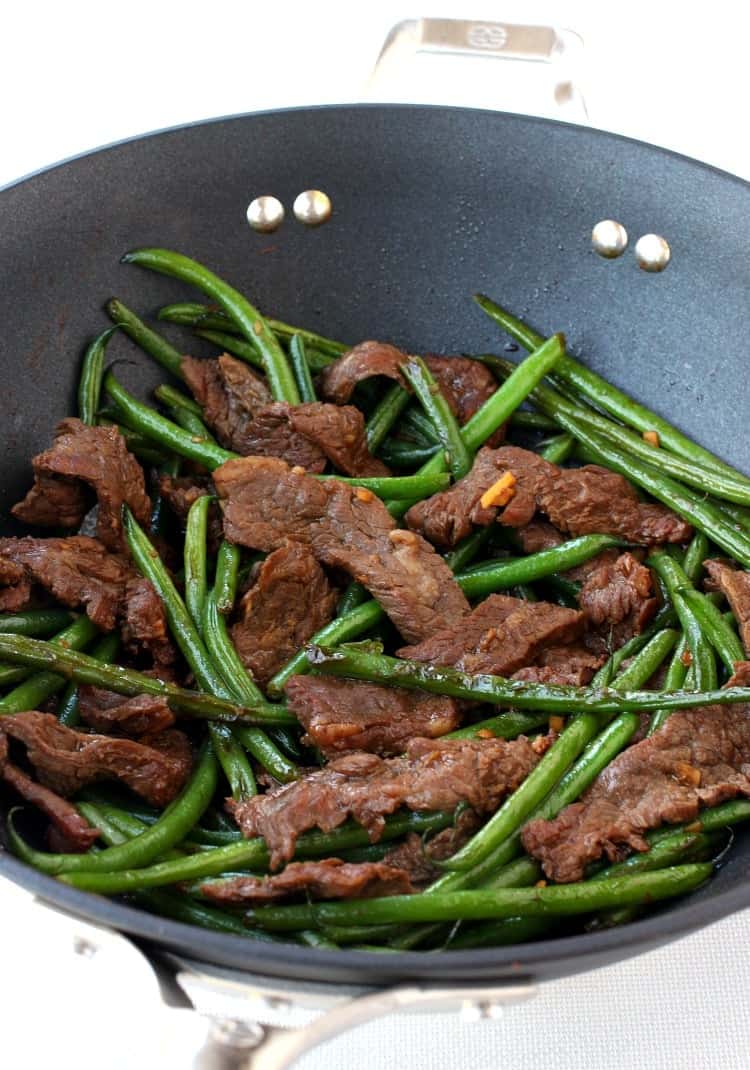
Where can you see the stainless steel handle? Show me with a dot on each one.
(556, 51)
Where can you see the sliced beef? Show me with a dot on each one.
(572, 664)
(465, 384)
(77, 833)
(329, 878)
(266, 503)
(53, 502)
(339, 431)
(502, 634)
(15, 587)
(538, 535)
(271, 435)
(577, 501)
(144, 625)
(289, 602)
(338, 380)
(698, 758)
(230, 394)
(433, 775)
(180, 492)
(419, 857)
(156, 767)
(99, 458)
(619, 600)
(734, 584)
(741, 675)
(347, 715)
(106, 711)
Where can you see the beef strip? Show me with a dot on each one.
(106, 711)
(98, 457)
(538, 535)
(502, 634)
(271, 435)
(619, 600)
(347, 715)
(572, 664)
(734, 584)
(266, 503)
(155, 767)
(741, 675)
(230, 394)
(78, 834)
(577, 501)
(289, 602)
(53, 502)
(328, 878)
(419, 857)
(339, 431)
(79, 572)
(433, 775)
(699, 757)
(338, 380)
(15, 587)
(465, 384)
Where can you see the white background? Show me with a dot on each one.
(75, 75)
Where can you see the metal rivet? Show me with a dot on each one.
(609, 238)
(312, 207)
(652, 252)
(265, 214)
(84, 947)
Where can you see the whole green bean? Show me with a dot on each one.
(534, 421)
(67, 711)
(554, 698)
(557, 900)
(172, 827)
(425, 387)
(254, 328)
(665, 618)
(354, 595)
(90, 381)
(150, 341)
(251, 854)
(188, 911)
(227, 572)
(675, 579)
(159, 509)
(695, 555)
(384, 416)
(397, 454)
(301, 368)
(35, 622)
(465, 552)
(606, 396)
(29, 694)
(184, 417)
(195, 558)
(674, 679)
(557, 450)
(506, 725)
(499, 933)
(400, 488)
(418, 427)
(717, 631)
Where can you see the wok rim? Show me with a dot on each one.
(553, 957)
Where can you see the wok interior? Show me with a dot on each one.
(430, 205)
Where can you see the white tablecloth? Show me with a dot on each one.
(75, 75)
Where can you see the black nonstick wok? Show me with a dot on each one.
(430, 205)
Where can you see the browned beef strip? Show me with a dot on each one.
(54, 502)
(98, 457)
(78, 834)
(155, 767)
(572, 664)
(698, 758)
(144, 624)
(339, 431)
(734, 584)
(577, 501)
(78, 571)
(741, 675)
(347, 715)
(502, 634)
(538, 535)
(230, 394)
(419, 856)
(338, 380)
(433, 775)
(328, 878)
(106, 711)
(619, 600)
(289, 602)
(266, 503)
(271, 435)
(15, 586)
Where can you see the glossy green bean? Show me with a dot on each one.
(227, 571)
(400, 488)
(506, 725)
(674, 578)
(695, 555)
(90, 381)
(105, 650)
(354, 595)
(159, 507)
(35, 622)
(183, 416)
(149, 340)
(253, 326)
(301, 368)
(398, 454)
(427, 391)
(384, 416)
(35, 689)
(717, 631)
(557, 450)
(196, 585)
(674, 679)
(464, 553)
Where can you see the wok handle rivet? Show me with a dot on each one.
(312, 207)
(652, 252)
(265, 214)
(609, 238)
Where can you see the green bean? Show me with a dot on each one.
(384, 416)
(506, 725)
(719, 634)
(38, 654)
(421, 484)
(67, 711)
(344, 628)
(354, 595)
(35, 622)
(183, 415)
(150, 341)
(695, 555)
(647, 661)
(606, 396)
(227, 570)
(254, 328)
(189, 912)
(665, 618)
(236, 346)
(558, 900)
(90, 382)
(554, 698)
(418, 426)
(425, 387)
(195, 559)
(565, 591)
(310, 938)
(397, 454)
(301, 368)
(465, 552)
(668, 851)
(675, 579)
(172, 827)
(558, 449)
(174, 399)
(499, 575)
(252, 854)
(159, 510)
(533, 421)
(675, 679)
(41, 685)
(499, 933)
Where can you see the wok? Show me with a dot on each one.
(430, 205)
